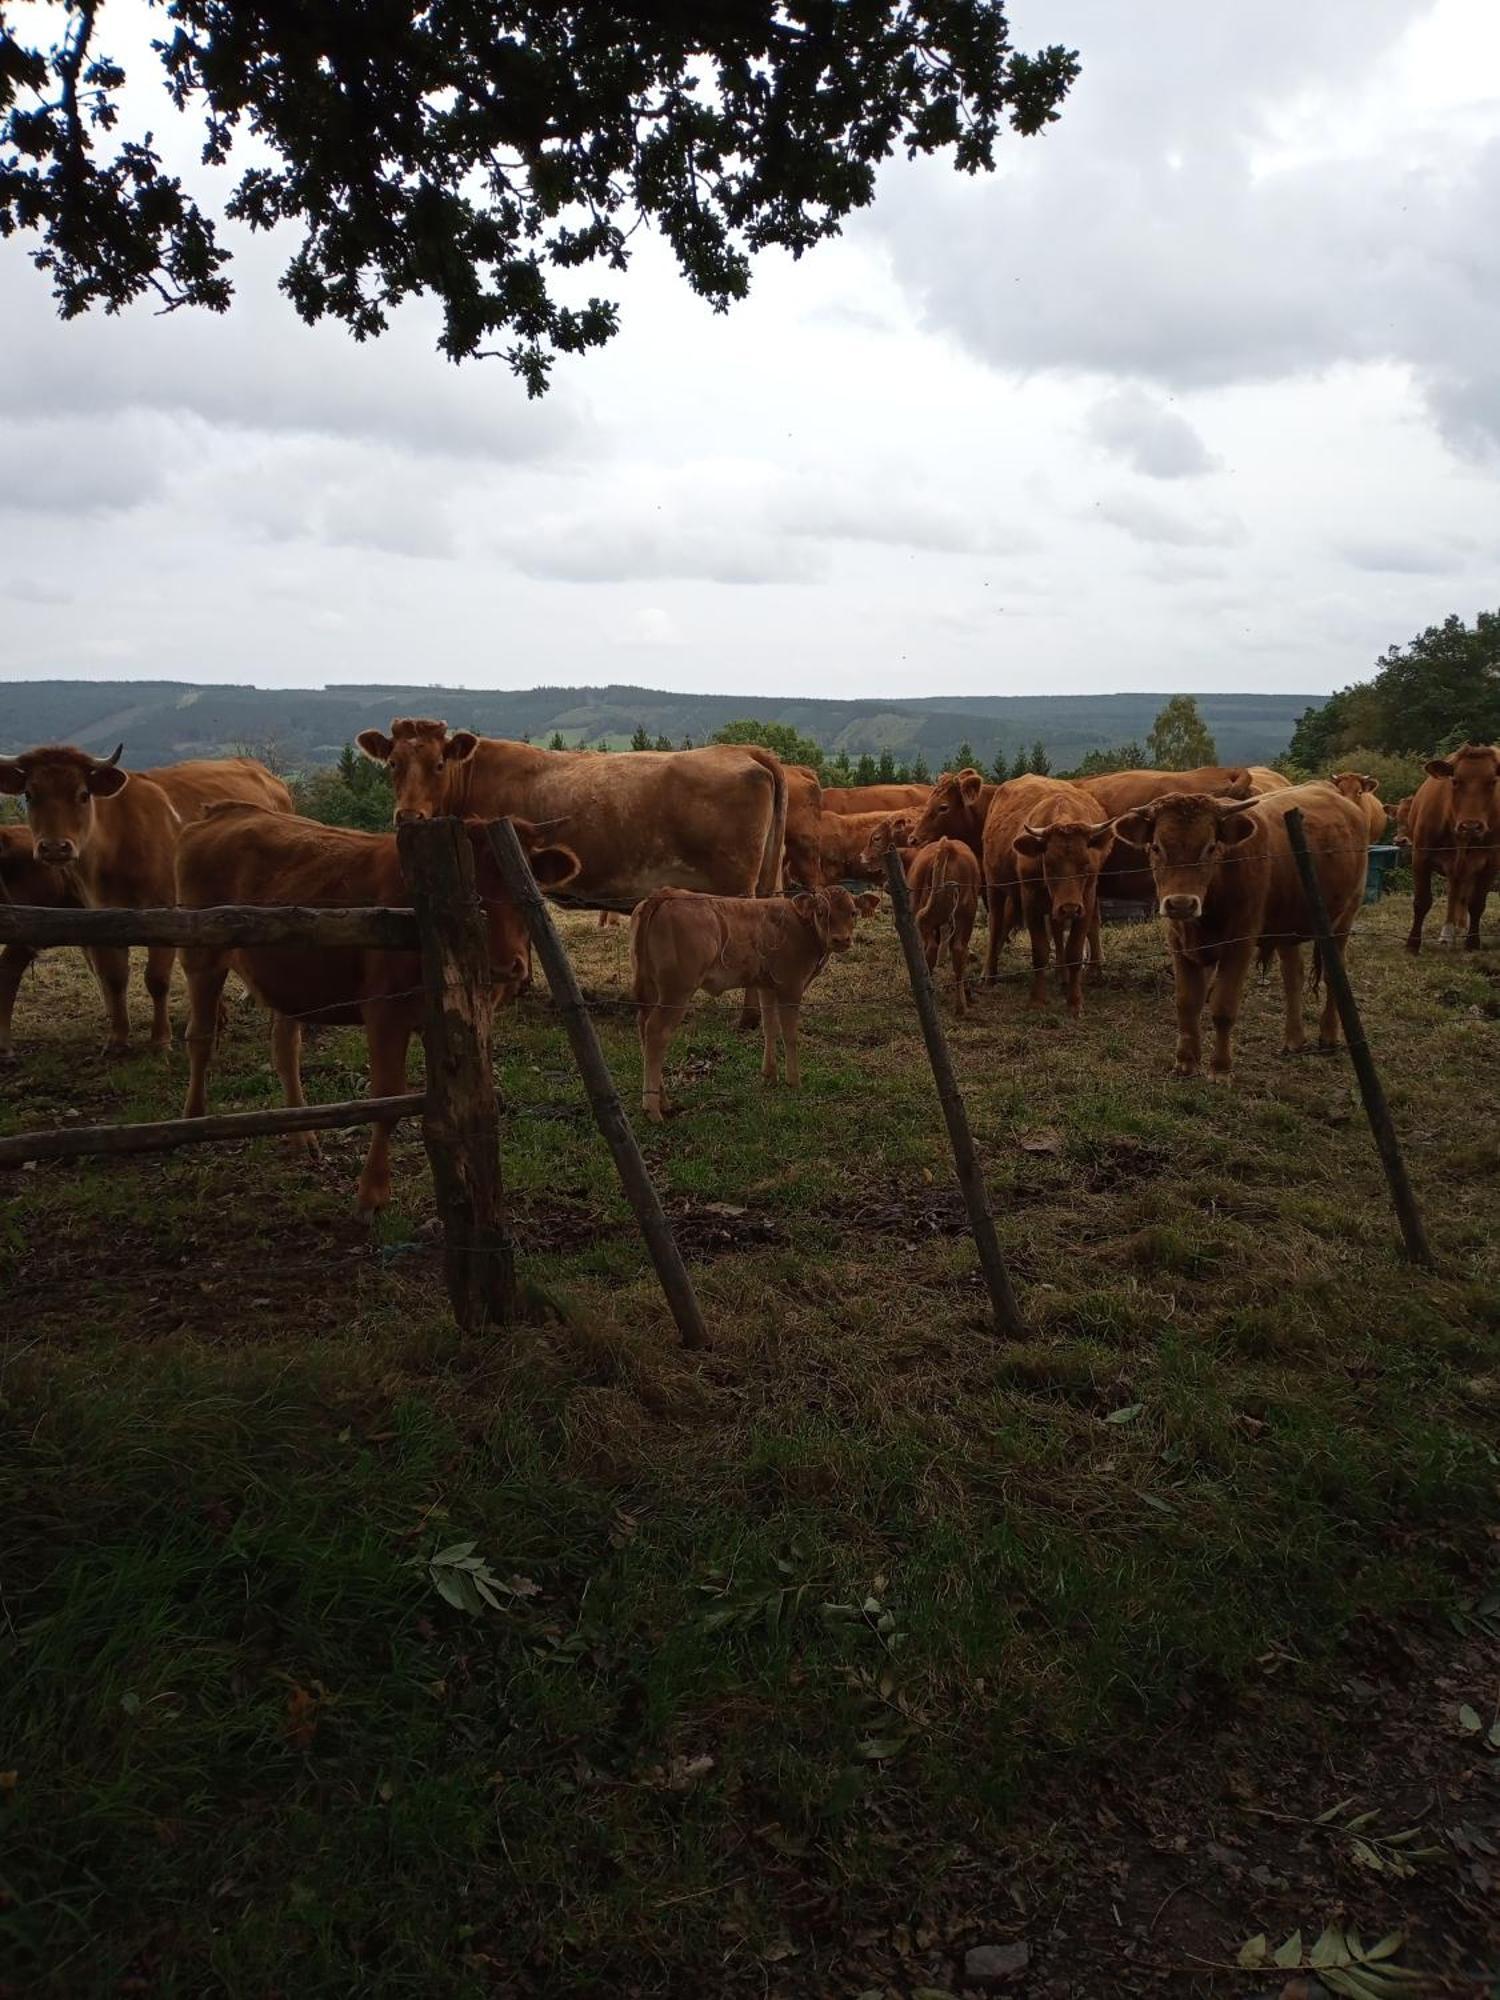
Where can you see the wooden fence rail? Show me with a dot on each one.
(75, 1142)
(224, 928)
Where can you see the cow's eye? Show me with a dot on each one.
(83, 797)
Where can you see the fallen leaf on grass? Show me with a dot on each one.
(302, 1706)
(1127, 1415)
(1047, 1139)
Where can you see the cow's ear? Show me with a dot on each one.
(1135, 828)
(1237, 828)
(1102, 836)
(1238, 784)
(1368, 784)
(1439, 767)
(1031, 844)
(810, 905)
(12, 776)
(553, 866)
(107, 779)
(867, 904)
(376, 745)
(970, 785)
(460, 746)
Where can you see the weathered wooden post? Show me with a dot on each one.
(460, 1119)
(1376, 1108)
(604, 1099)
(970, 1179)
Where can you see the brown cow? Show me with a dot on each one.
(682, 944)
(1401, 819)
(1357, 786)
(246, 854)
(874, 798)
(201, 782)
(804, 826)
(111, 836)
(945, 883)
(956, 808)
(846, 852)
(1045, 840)
(711, 819)
(1228, 885)
(1454, 826)
(1127, 873)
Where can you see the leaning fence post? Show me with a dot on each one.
(604, 1099)
(970, 1179)
(1376, 1109)
(461, 1120)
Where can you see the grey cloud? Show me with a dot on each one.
(839, 510)
(340, 495)
(72, 467)
(31, 590)
(1151, 439)
(1149, 521)
(1398, 558)
(604, 549)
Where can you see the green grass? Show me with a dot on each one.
(834, 1591)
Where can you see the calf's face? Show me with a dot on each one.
(1185, 841)
(891, 833)
(1071, 853)
(1353, 784)
(60, 787)
(952, 801)
(552, 865)
(417, 755)
(830, 914)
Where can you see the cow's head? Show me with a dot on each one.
(1353, 784)
(830, 915)
(60, 786)
(1185, 837)
(895, 831)
(952, 808)
(1474, 774)
(1071, 851)
(553, 866)
(417, 754)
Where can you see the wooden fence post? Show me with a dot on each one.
(1375, 1099)
(970, 1179)
(460, 1120)
(1376, 1109)
(604, 1099)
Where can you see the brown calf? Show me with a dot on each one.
(847, 852)
(945, 886)
(956, 809)
(873, 798)
(246, 854)
(682, 944)
(1454, 826)
(1227, 882)
(1045, 841)
(1362, 789)
(111, 837)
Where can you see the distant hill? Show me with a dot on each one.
(159, 721)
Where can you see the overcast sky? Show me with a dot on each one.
(1200, 390)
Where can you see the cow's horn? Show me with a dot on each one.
(111, 760)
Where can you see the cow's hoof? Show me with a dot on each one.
(1414, 946)
(1290, 1050)
(1216, 1075)
(115, 1051)
(1326, 1049)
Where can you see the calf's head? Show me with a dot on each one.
(60, 786)
(417, 754)
(1185, 837)
(552, 865)
(892, 832)
(1353, 784)
(830, 915)
(952, 808)
(1071, 853)
(1474, 775)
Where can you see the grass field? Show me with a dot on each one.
(856, 1642)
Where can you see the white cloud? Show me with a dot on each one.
(1151, 439)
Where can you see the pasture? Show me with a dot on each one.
(822, 1657)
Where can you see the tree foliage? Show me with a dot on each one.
(1441, 689)
(1179, 739)
(1118, 757)
(781, 737)
(353, 792)
(475, 149)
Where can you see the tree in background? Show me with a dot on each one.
(920, 774)
(781, 737)
(1000, 769)
(1179, 738)
(885, 765)
(662, 743)
(1021, 766)
(1037, 758)
(965, 757)
(840, 771)
(687, 743)
(640, 740)
(1441, 689)
(864, 770)
(472, 152)
(353, 792)
(1122, 757)
(555, 741)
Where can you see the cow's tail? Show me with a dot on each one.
(640, 918)
(768, 880)
(941, 910)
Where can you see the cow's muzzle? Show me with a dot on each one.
(1182, 909)
(1068, 912)
(409, 815)
(56, 853)
(1472, 829)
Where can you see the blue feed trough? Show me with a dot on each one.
(1382, 861)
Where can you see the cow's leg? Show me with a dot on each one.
(1294, 1040)
(159, 959)
(1328, 1021)
(206, 972)
(1454, 914)
(1077, 936)
(1421, 896)
(958, 950)
(1479, 895)
(658, 1024)
(1036, 924)
(1190, 980)
(749, 1012)
(13, 963)
(386, 1037)
(770, 1020)
(995, 904)
(286, 1055)
(1096, 948)
(1224, 1003)
(111, 965)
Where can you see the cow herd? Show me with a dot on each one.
(701, 843)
